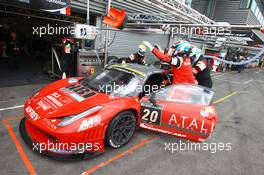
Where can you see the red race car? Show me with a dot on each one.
(75, 117)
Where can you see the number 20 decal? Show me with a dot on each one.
(153, 115)
(150, 115)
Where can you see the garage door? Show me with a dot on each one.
(125, 43)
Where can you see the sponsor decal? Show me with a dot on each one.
(78, 92)
(207, 111)
(66, 100)
(91, 122)
(55, 95)
(43, 105)
(161, 130)
(50, 123)
(54, 101)
(31, 113)
(190, 124)
(124, 68)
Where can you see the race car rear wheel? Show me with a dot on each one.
(121, 129)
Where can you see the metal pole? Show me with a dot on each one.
(107, 35)
(169, 39)
(52, 60)
(83, 42)
(88, 12)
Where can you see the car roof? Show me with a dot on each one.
(137, 69)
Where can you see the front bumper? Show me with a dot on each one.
(56, 154)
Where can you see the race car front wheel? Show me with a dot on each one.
(121, 129)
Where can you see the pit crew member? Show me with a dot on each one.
(177, 57)
(201, 68)
(138, 57)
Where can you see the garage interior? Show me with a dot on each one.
(34, 62)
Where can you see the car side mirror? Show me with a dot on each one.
(152, 99)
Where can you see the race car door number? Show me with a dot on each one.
(151, 115)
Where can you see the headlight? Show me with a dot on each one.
(70, 119)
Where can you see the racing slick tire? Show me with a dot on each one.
(121, 129)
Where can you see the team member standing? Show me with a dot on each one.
(13, 51)
(67, 55)
(178, 58)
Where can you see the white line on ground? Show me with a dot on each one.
(248, 81)
(13, 107)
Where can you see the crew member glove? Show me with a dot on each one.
(147, 44)
(157, 46)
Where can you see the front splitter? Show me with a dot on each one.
(52, 155)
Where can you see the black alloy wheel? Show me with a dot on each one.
(121, 129)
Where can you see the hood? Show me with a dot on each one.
(63, 99)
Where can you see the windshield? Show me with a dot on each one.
(114, 82)
(186, 93)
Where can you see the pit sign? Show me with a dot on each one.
(83, 31)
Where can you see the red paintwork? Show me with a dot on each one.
(70, 134)
(44, 129)
(185, 121)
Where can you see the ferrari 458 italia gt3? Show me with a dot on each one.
(78, 116)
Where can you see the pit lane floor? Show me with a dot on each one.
(240, 106)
